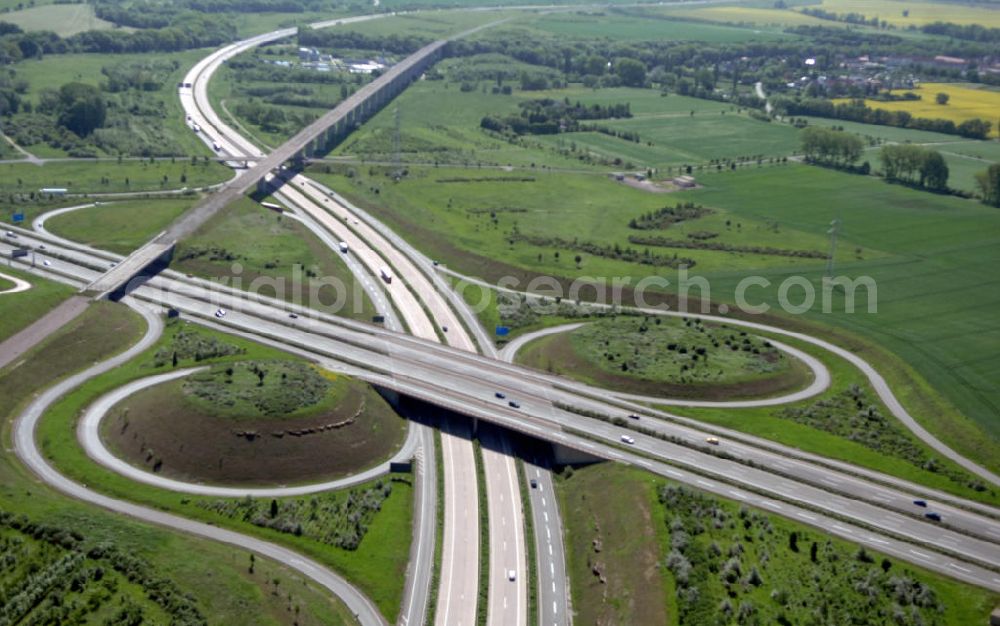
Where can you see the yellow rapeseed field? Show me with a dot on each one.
(920, 13)
(964, 103)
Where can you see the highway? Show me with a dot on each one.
(427, 314)
(451, 378)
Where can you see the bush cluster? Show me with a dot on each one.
(337, 519)
(852, 414)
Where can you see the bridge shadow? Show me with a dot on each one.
(532, 450)
(145, 275)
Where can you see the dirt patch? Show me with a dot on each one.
(161, 430)
(663, 186)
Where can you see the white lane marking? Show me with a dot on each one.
(675, 474)
(546, 514)
(550, 549)
(842, 529)
(552, 568)
(920, 555)
(544, 503)
(960, 568)
(805, 516)
(704, 483)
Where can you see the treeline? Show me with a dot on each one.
(161, 14)
(616, 252)
(915, 165)
(831, 147)
(858, 111)
(336, 38)
(969, 32)
(848, 18)
(696, 243)
(548, 116)
(191, 30)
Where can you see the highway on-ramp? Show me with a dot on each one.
(31, 456)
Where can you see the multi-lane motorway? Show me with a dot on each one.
(850, 504)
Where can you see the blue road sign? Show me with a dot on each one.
(502, 331)
(18, 217)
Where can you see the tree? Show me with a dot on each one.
(942, 98)
(988, 182)
(81, 108)
(631, 72)
(274, 508)
(793, 542)
(934, 171)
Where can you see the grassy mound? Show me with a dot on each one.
(255, 422)
(668, 357)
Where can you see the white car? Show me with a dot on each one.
(511, 575)
(46, 262)
(628, 440)
(220, 313)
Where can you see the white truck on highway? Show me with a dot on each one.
(385, 274)
(343, 247)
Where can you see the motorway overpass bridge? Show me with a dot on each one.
(316, 138)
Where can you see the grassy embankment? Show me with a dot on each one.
(118, 226)
(19, 310)
(376, 566)
(252, 248)
(639, 546)
(216, 576)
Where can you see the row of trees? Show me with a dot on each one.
(831, 147)
(915, 165)
(186, 31)
(858, 111)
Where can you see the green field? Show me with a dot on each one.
(639, 544)
(250, 247)
(940, 250)
(215, 576)
(19, 310)
(119, 226)
(99, 177)
(63, 19)
(440, 124)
